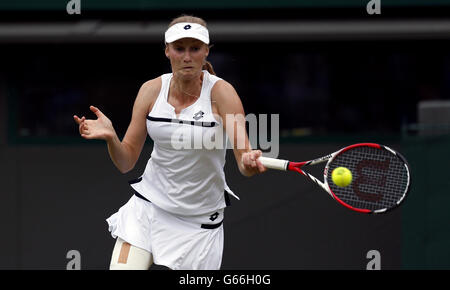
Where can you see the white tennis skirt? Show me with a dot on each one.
(177, 242)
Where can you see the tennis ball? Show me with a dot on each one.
(341, 176)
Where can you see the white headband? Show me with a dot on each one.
(186, 29)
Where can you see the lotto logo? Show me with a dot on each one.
(198, 115)
(214, 216)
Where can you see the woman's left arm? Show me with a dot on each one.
(231, 111)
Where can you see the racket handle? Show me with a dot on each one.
(274, 163)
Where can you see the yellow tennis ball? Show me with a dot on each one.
(341, 176)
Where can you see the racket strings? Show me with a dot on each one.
(380, 178)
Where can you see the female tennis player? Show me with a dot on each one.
(175, 217)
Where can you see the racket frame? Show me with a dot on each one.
(286, 165)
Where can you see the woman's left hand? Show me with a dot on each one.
(251, 164)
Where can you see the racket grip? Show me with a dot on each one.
(274, 163)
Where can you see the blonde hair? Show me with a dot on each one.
(192, 19)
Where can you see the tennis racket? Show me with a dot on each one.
(381, 176)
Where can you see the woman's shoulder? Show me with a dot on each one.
(153, 83)
(149, 91)
(223, 93)
(152, 87)
(221, 85)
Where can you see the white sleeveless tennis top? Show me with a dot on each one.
(185, 172)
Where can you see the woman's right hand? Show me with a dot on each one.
(101, 128)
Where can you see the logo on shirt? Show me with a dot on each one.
(198, 115)
(187, 27)
(214, 216)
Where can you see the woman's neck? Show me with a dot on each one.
(186, 90)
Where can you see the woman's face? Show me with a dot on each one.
(187, 56)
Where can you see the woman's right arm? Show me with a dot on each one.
(125, 153)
